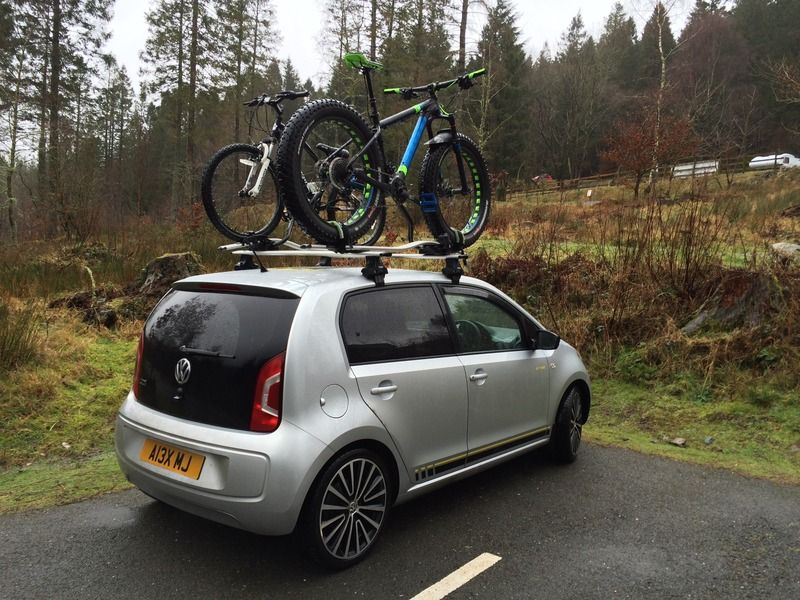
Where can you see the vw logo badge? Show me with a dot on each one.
(183, 370)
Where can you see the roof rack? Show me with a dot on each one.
(374, 268)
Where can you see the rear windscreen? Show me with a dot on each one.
(226, 337)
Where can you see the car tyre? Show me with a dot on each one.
(346, 509)
(568, 428)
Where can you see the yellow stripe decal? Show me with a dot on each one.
(430, 469)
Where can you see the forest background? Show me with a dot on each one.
(81, 151)
(672, 289)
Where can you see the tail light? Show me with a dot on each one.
(268, 397)
(137, 370)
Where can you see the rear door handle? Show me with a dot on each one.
(384, 389)
(478, 375)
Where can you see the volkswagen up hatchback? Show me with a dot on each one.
(313, 399)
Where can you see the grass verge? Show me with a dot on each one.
(57, 415)
(729, 433)
(62, 482)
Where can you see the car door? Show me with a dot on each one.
(507, 380)
(402, 356)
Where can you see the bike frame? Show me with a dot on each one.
(427, 112)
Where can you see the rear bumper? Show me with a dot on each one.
(252, 481)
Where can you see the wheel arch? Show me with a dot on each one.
(585, 393)
(370, 444)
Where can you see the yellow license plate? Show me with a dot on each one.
(172, 459)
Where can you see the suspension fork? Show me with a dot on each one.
(261, 167)
(462, 172)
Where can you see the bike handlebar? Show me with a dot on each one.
(279, 97)
(464, 82)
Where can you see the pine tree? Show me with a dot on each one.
(65, 37)
(616, 49)
(177, 67)
(569, 107)
(504, 90)
(657, 43)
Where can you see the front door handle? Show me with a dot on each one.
(479, 375)
(384, 389)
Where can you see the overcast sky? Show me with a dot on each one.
(300, 22)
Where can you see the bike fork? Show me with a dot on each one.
(254, 189)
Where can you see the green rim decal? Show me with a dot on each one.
(476, 184)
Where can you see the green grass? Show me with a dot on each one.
(61, 482)
(57, 417)
(755, 432)
(62, 406)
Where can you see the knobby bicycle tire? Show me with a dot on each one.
(239, 218)
(296, 152)
(462, 219)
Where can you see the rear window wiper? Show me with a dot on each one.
(201, 352)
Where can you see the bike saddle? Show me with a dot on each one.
(357, 60)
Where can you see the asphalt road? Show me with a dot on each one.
(615, 524)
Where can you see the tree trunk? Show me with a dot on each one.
(659, 106)
(238, 84)
(254, 55)
(373, 30)
(390, 20)
(462, 37)
(12, 155)
(41, 158)
(53, 163)
(192, 101)
(177, 166)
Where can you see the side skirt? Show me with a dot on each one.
(430, 476)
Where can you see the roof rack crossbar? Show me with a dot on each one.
(374, 269)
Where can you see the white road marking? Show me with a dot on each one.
(458, 578)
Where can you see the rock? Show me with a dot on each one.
(743, 299)
(679, 442)
(102, 315)
(787, 251)
(708, 440)
(134, 307)
(161, 272)
(86, 300)
(94, 307)
(792, 211)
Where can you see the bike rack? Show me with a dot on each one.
(374, 269)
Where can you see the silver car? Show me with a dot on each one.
(312, 400)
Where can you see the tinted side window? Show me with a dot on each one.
(394, 323)
(482, 325)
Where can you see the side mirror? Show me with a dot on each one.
(545, 340)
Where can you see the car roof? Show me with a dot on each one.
(298, 280)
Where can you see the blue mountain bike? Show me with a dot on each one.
(329, 152)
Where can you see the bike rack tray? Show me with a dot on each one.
(374, 269)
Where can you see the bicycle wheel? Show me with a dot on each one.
(461, 214)
(316, 177)
(374, 232)
(227, 181)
